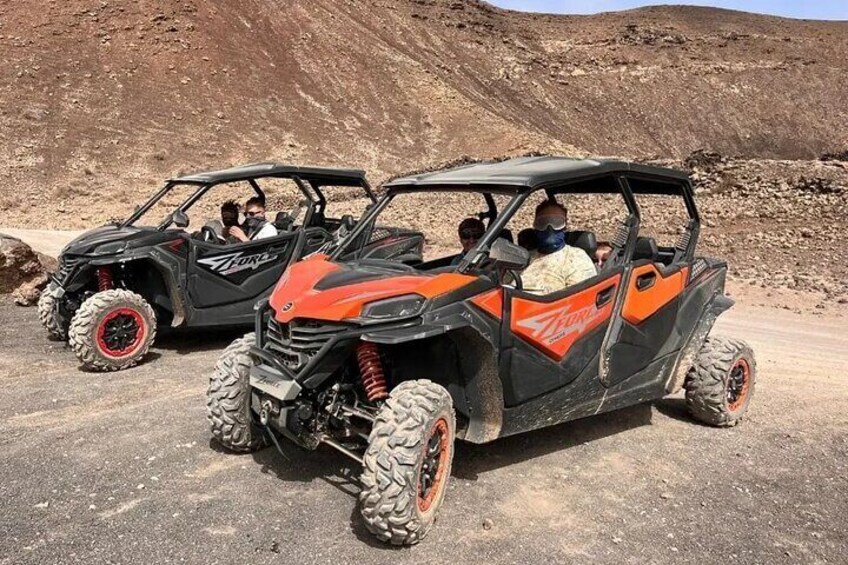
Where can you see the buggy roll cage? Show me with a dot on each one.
(624, 178)
(309, 181)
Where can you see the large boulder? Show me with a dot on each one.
(23, 272)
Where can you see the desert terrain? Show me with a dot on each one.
(100, 101)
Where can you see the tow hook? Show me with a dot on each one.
(269, 409)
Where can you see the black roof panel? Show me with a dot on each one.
(529, 172)
(258, 170)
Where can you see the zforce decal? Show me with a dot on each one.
(235, 262)
(555, 326)
(550, 327)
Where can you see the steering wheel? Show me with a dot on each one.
(208, 235)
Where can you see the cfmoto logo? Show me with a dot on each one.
(288, 306)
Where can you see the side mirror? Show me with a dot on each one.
(180, 219)
(506, 255)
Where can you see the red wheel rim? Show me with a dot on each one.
(431, 475)
(121, 332)
(738, 384)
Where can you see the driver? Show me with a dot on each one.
(255, 225)
(554, 265)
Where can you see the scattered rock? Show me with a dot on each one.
(23, 272)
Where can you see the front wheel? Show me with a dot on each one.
(47, 313)
(720, 385)
(408, 462)
(112, 330)
(228, 399)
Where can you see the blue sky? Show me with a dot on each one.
(810, 9)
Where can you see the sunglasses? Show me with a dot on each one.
(556, 222)
(470, 235)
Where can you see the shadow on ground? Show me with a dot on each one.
(186, 341)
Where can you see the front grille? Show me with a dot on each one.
(297, 342)
(67, 264)
(379, 233)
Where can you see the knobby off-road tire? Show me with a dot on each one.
(228, 399)
(720, 385)
(112, 330)
(414, 429)
(47, 314)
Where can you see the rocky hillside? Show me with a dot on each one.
(101, 99)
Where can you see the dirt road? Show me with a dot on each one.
(119, 468)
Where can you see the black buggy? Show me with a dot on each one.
(117, 283)
(390, 363)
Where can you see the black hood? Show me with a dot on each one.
(88, 242)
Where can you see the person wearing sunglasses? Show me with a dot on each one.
(470, 231)
(554, 265)
(255, 226)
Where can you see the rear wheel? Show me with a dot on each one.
(48, 315)
(408, 462)
(228, 399)
(720, 385)
(112, 330)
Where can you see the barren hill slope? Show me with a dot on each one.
(100, 99)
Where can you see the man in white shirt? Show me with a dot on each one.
(554, 265)
(255, 225)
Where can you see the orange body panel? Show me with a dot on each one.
(296, 297)
(490, 302)
(553, 327)
(639, 305)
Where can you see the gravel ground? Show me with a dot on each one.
(119, 468)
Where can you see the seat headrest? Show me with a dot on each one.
(283, 221)
(646, 248)
(348, 222)
(584, 240)
(527, 239)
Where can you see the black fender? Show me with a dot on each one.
(169, 267)
(454, 346)
(713, 308)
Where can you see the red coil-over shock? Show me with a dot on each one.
(371, 370)
(104, 279)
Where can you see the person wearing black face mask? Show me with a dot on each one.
(554, 265)
(255, 225)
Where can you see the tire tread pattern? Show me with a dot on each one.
(228, 399)
(706, 381)
(47, 314)
(388, 501)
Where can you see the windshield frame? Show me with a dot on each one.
(205, 187)
(473, 256)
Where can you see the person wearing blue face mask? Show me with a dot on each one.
(554, 265)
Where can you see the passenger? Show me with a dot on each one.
(229, 218)
(255, 225)
(470, 231)
(602, 253)
(554, 265)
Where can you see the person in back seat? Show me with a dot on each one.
(554, 265)
(470, 231)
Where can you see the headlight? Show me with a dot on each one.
(111, 248)
(397, 307)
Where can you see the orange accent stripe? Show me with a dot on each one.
(296, 290)
(639, 305)
(490, 302)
